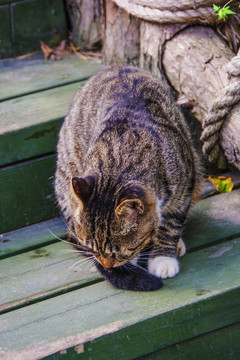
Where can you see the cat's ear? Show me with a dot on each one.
(83, 188)
(129, 210)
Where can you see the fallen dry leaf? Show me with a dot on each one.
(222, 184)
(61, 49)
(48, 52)
(74, 50)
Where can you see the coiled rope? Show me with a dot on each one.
(172, 11)
(227, 98)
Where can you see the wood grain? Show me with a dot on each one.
(27, 76)
(202, 298)
(27, 194)
(43, 273)
(32, 237)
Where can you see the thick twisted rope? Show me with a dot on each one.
(171, 11)
(228, 97)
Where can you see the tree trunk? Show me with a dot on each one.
(194, 63)
(122, 36)
(86, 18)
(152, 39)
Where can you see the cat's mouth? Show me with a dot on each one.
(109, 262)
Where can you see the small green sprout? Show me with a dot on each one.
(223, 12)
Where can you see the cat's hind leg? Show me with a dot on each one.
(181, 248)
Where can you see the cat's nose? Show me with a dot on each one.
(106, 262)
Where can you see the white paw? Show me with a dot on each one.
(163, 266)
(181, 247)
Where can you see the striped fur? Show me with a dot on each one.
(127, 171)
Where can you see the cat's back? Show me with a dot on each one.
(120, 90)
(130, 101)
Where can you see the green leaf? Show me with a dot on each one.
(222, 13)
(215, 8)
(230, 12)
(222, 184)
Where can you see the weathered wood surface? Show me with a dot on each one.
(213, 219)
(214, 345)
(152, 39)
(27, 194)
(206, 225)
(23, 77)
(99, 317)
(32, 237)
(194, 62)
(87, 20)
(138, 42)
(30, 124)
(202, 298)
(42, 273)
(121, 36)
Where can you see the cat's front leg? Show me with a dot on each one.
(164, 266)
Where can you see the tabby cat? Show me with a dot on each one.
(126, 176)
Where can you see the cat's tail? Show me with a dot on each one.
(130, 278)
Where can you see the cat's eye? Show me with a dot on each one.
(88, 242)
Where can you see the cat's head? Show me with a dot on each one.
(113, 224)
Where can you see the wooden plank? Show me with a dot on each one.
(43, 273)
(27, 194)
(203, 228)
(34, 74)
(213, 219)
(5, 32)
(30, 124)
(31, 237)
(8, 1)
(99, 319)
(38, 20)
(220, 344)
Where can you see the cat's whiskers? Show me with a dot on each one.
(70, 231)
(91, 263)
(58, 238)
(81, 262)
(73, 251)
(130, 269)
(132, 266)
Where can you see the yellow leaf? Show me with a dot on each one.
(222, 184)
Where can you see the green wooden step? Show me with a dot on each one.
(34, 74)
(42, 273)
(49, 305)
(219, 344)
(32, 237)
(99, 319)
(27, 194)
(27, 22)
(206, 225)
(213, 219)
(40, 94)
(30, 124)
(35, 252)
